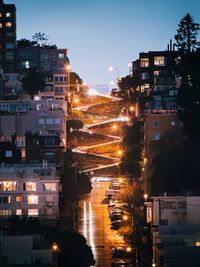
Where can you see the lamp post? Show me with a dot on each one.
(55, 250)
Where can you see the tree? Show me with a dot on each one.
(131, 161)
(174, 166)
(74, 251)
(74, 124)
(189, 95)
(33, 82)
(26, 43)
(74, 185)
(186, 37)
(40, 38)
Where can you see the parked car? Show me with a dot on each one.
(116, 216)
(115, 225)
(122, 252)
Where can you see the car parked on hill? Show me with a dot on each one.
(122, 252)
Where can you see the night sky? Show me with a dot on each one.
(103, 33)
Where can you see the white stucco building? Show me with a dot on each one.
(29, 190)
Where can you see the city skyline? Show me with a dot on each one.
(100, 34)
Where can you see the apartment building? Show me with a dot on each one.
(29, 190)
(41, 117)
(175, 225)
(7, 37)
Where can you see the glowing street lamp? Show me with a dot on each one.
(145, 196)
(119, 152)
(125, 218)
(55, 250)
(114, 127)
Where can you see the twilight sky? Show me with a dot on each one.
(103, 33)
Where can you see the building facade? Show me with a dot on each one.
(29, 190)
(7, 37)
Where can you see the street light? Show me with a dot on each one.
(146, 197)
(119, 152)
(55, 250)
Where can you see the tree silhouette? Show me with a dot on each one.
(186, 37)
(189, 94)
(33, 82)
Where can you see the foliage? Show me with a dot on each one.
(186, 37)
(175, 168)
(131, 161)
(74, 124)
(74, 251)
(75, 184)
(127, 233)
(40, 38)
(26, 43)
(128, 86)
(33, 82)
(189, 94)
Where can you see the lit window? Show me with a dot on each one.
(32, 199)
(49, 201)
(173, 123)
(29, 186)
(49, 187)
(1, 25)
(33, 212)
(8, 14)
(159, 61)
(144, 62)
(49, 198)
(5, 213)
(26, 64)
(18, 198)
(156, 72)
(0, 15)
(8, 24)
(155, 124)
(18, 212)
(61, 55)
(156, 136)
(9, 186)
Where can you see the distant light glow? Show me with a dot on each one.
(92, 92)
